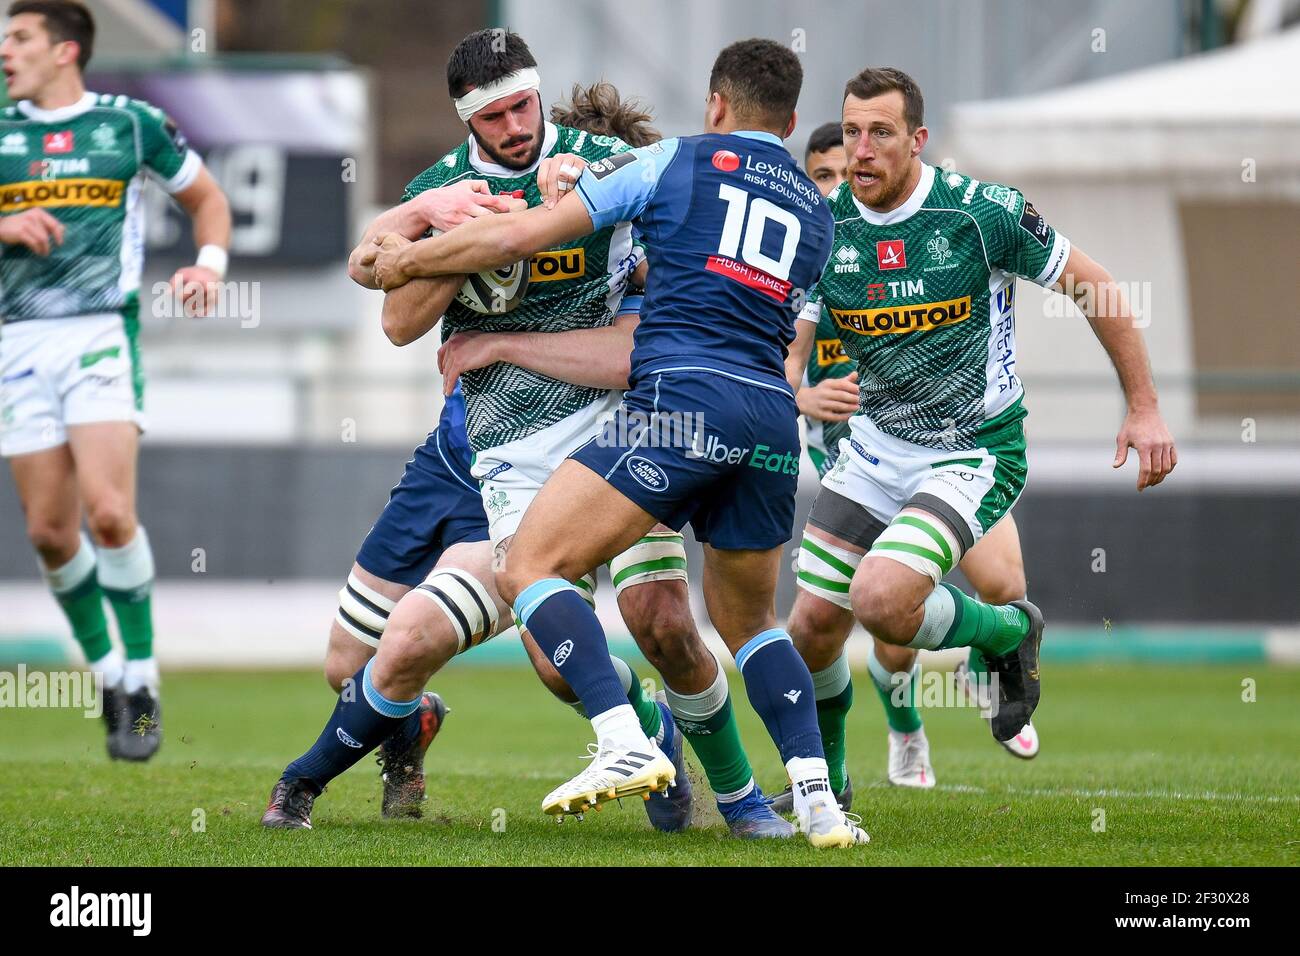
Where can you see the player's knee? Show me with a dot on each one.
(876, 606)
(412, 648)
(659, 615)
(111, 520)
(336, 670)
(511, 579)
(56, 540)
(817, 628)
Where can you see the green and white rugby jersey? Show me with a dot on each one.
(923, 298)
(828, 360)
(577, 286)
(85, 165)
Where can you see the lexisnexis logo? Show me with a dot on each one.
(560, 264)
(16, 197)
(903, 318)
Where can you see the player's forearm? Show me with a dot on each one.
(488, 242)
(410, 311)
(211, 220)
(597, 358)
(796, 359)
(1107, 309)
(1128, 353)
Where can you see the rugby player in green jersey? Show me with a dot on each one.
(994, 566)
(920, 286)
(536, 377)
(72, 166)
(827, 385)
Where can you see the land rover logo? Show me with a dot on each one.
(647, 473)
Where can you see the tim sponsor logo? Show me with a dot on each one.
(74, 909)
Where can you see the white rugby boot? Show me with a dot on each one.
(909, 760)
(612, 774)
(820, 818)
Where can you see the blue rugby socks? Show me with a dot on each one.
(780, 690)
(569, 633)
(362, 719)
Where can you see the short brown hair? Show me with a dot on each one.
(601, 111)
(64, 20)
(876, 81)
(760, 78)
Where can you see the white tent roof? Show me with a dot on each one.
(1201, 113)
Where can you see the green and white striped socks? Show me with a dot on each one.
(833, 692)
(897, 691)
(126, 575)
(709, 723)
(76, 588)
(954, 619)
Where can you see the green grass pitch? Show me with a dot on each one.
(1185, 771)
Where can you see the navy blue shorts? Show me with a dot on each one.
(435, 505)
(715, 449)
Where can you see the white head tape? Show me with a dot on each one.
(476, 99)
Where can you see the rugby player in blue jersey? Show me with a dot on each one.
(422, 580)
(707, 433)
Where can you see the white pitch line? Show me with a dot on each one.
(1205, 795)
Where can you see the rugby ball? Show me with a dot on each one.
(495, 291)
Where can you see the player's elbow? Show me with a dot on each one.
(397, 332)
(620, 371)
(397, 328)
(360, 274)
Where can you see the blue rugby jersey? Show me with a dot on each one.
(735, 234)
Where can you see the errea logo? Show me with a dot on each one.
(14, 144)
(846, 260)
(562, 653)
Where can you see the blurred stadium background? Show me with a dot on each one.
(1163, 136)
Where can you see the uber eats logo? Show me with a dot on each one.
(559, 264)
(903, 318)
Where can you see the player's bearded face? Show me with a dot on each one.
(509, 131)
(880, 150)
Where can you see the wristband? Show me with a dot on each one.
(215, 258)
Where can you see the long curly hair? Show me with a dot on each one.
(600, 109)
